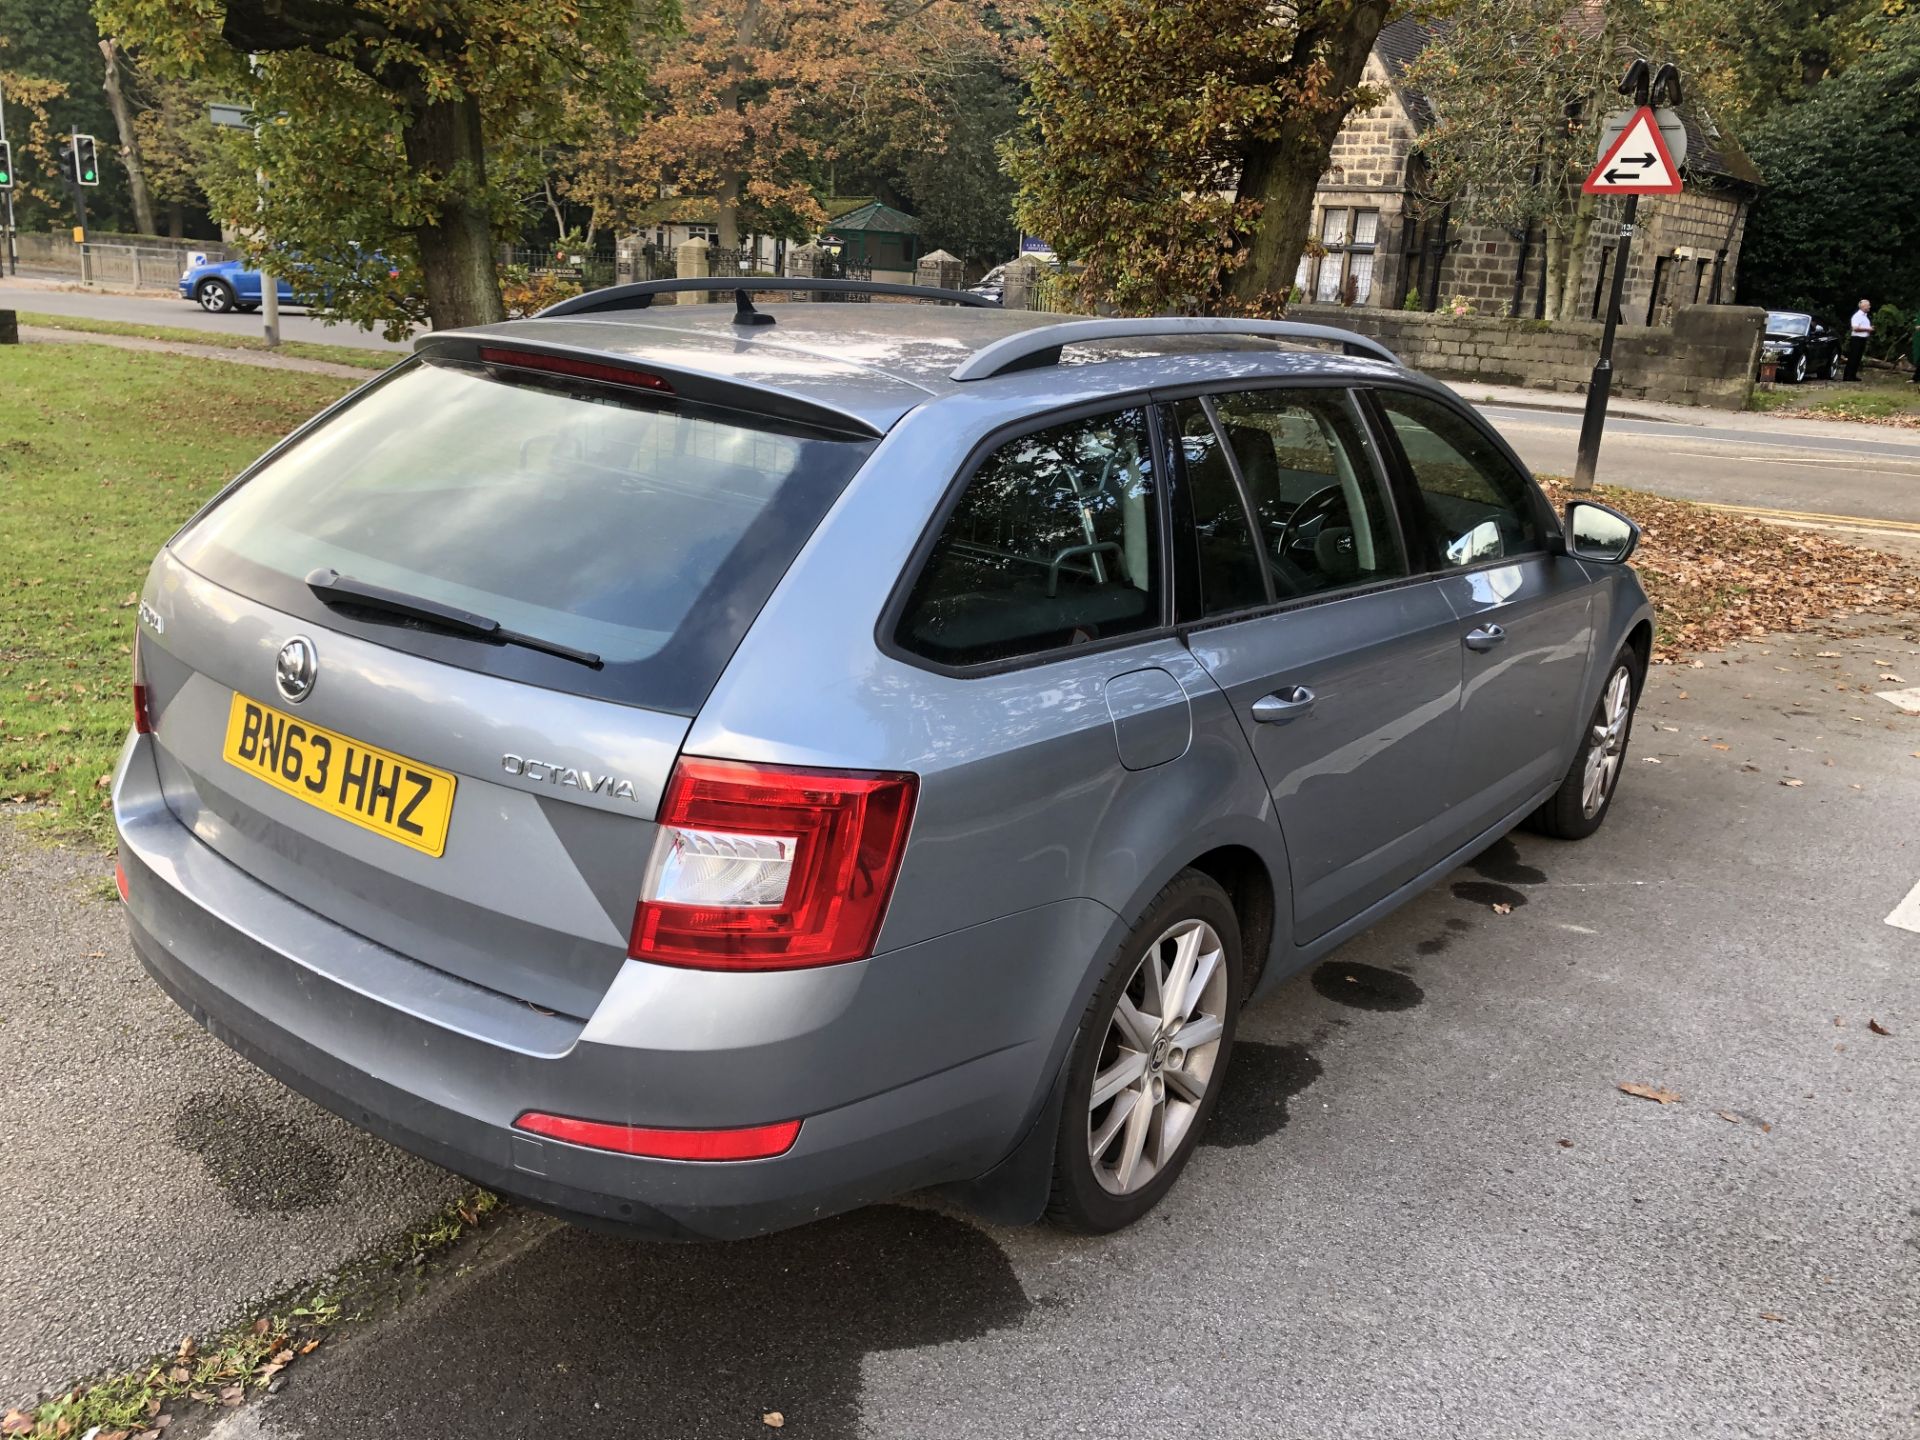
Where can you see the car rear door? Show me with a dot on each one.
(1524, 628)
(1340, 660)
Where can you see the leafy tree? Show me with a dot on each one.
(1174, 145)
(36, 136)
(56, 40)
(404, 131)
(1744, 60)
(956, 185)
(1518, 89)
(760, 97)
(1840, 215)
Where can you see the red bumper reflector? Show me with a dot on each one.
(755, 1142)
(567, 365)
(120, 880)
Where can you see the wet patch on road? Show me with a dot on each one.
(265, 1161)
(1502, 862)
(1437, 944)
(1366, 987)
(1487, 892)
(591, 1334)
(1261, 1079)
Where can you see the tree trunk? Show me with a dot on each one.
(444, 145)
(1553, 255)
(1282, 173)
(728, 201)
(732, 182)
(129, 140)
(176, 220)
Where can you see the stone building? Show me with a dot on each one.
(1386, 248)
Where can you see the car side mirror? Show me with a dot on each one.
(1595, 532)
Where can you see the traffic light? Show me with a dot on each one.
(6, 164)
(86, 167)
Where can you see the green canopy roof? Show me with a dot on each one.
(876, 217)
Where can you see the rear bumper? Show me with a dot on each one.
(919, 1067)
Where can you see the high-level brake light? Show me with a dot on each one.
(567, 365)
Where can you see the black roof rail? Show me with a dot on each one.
(639, 296)
(1037, 348)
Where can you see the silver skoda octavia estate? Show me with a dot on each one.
(699, 768)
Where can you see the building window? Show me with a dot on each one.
(1345, 275)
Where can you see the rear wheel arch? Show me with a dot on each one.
(1249, 882)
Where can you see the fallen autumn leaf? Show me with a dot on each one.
(1647, 1092)
(1877, 1028)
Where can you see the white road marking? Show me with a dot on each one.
(1907, 700)
(1906, 915)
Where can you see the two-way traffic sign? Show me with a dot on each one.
(1637, 162)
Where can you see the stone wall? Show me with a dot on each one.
(1708, 356)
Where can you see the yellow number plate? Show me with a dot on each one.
(362, 784)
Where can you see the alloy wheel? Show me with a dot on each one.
(1158, 1057)
(1608, 743)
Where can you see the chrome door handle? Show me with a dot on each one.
(1485, 637)
(1283, 705)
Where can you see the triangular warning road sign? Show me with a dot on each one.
(1638, 163)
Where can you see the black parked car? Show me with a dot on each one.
(1801, 348)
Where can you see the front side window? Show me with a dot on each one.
(1054, 544)
(1322, 516)
(1478, 506)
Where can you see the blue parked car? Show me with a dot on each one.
(222, 286)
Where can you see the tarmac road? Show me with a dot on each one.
(1810, 466)
(1424, 1208)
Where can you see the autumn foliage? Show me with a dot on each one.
(1175, 144)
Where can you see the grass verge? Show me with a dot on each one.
(175, 335)
(1891, 401)
(1715, 577)
(219, 1372)
(103, 453)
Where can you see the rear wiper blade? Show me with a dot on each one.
(333, 588)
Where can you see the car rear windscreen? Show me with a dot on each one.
(610, 520)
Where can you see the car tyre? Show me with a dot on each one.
(1836, 367)
(1580, 805)
(1147, 1068)
(216, 297)
(1800, 368)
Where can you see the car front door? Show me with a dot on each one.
(1341, 663)
(1525, 611)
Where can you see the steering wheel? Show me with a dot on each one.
(1317, 508)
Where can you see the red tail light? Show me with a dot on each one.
(755, 1142)
(142, 716)
(763, 867)
(567, 365)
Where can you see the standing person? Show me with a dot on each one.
(1857, 344)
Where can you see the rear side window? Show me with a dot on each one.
(1054, 543)
(1478, 507)
(614, 521)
